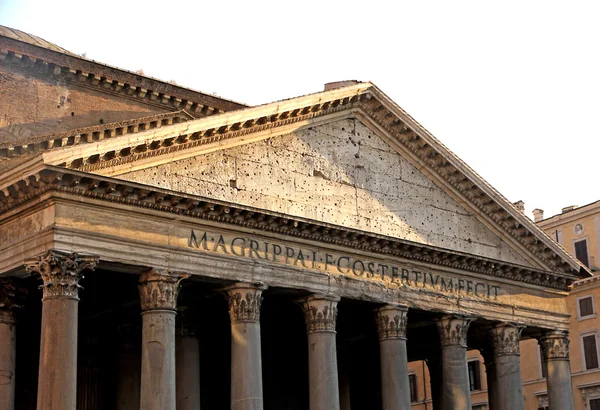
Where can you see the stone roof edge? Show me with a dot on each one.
(64, 136)
(52, 178)
(54, 63)
(362, 96)
(482, 183)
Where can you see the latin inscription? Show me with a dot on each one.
(345, 265)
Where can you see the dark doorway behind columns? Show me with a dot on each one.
(358, 353)
(284, 351)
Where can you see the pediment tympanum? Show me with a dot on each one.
(340, 173)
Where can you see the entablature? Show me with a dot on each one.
(79, 184)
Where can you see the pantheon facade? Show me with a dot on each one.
(164, 249)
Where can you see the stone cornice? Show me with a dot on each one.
(363, 100)
(92, 134)
(88, 73)
(56, 179)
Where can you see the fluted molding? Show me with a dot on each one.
(555, 345)
(245, 300)
(61, 272)
(391, 322)
(12, 299)
(505, 339)
(453, 330)
(320, 313)
(159, 289)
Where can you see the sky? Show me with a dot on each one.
(512, 87)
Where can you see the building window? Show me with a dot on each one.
(590, 351)
(595, 404)
(585, 307)
(474, 376)
(543, 369)
(581, 252)
(412, 379)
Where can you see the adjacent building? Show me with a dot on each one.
(196, 252)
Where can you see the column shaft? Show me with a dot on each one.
(320, 313)
(492, 381)
(555, 348)
(157, 390)
(158, 297)
(395, 385)
(188, 373)
(11, 297)
(61, 273)
(8, 355)
(507, 388)
(246, 367)
(456, 392)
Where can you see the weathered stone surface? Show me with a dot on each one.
(341, 173)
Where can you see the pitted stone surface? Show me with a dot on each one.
(340, 173)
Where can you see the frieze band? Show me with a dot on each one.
(453, 330)
(555, 345)
(341, 264)
(391, 322)
(245, 300)
(505, 339)
(61, 272)
(159, 289)
(320, 313)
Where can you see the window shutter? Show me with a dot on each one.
(581, 252)
(590, 351)
(586, 307)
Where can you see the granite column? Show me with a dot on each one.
(61, 273)
(158, 298)
(508, 387)
(245, 300)
(320, 313)
(391, 326)
(555, 348)
(11, 297)
(187, 352)
(455, 375)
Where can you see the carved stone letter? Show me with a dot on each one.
(61, 272)
(391, 322)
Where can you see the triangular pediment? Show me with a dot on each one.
(399, 180)
(341, 173)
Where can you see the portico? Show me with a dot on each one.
(235, 293)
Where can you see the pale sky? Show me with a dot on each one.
(511, 87)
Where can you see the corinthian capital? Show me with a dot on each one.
(61, 272)
(245, 300)
(453, 330)
(320, 313)
(391, 322)
(555, 345)
(505, 339)
(12, 297)
(159, 289)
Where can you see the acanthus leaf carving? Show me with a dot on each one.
(12, 299)
(245, 300)
(320, 313)
(61, 272)
(555, 345)
(505, 339)
(391, 322)
(453, 330)
(159, 289)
